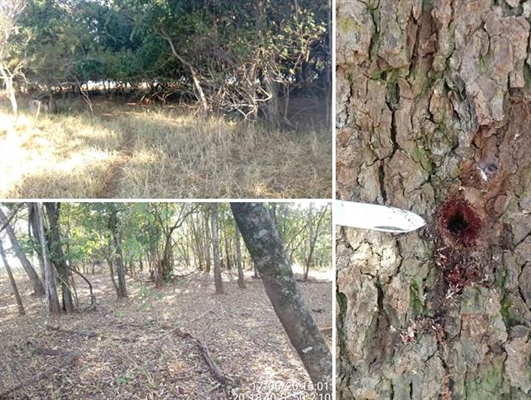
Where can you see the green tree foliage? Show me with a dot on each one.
(239, 56)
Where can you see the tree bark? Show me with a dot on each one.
(239, 264)
(207, 242)
(57, 255)
(52, 301)
(215, 248)
(118, 258)
(18, 299)
(38, 288)
(8, 83)
(433, 116)
(263, 242)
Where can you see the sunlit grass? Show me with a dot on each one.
(159, 153)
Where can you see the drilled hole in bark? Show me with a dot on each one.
(459, 221)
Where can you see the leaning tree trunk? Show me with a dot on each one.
(261, 237)
(36, 282)
(433, 116)
(14, 287)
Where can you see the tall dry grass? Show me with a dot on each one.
(152, 152)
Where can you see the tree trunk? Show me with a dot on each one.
(433, 116)
(215, 248)
(52, 301)
(118, 258)
(228, 251)
(310, 241)
(57, 255)
(263, 242)
(38, 288)
(18, 299)
(166, 263)
(207, 243)
(200, 94)
(241, 276)
(313, 233)
(8, 83)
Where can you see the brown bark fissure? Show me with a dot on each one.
(433, 115)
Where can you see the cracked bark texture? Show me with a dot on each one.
(432, 104)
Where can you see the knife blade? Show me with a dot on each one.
(376, 217)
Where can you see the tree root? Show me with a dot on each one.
(70, 356)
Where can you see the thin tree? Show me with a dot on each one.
(10, 12)
(18, 299)
(38, 288)
(263, 242)
(117, 258)
(52, 301)
(241, 276)
(314, 229)
(215, 248)
(57, 256)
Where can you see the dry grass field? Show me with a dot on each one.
(133, 151)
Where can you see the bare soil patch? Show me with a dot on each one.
(136, 349)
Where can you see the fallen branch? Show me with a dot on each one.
(214, 368)
(70, 356)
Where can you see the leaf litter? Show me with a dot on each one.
(152, 345)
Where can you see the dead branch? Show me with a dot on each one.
(70, 356)
(214, 368)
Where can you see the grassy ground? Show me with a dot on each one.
(133, 353)
(130, 151)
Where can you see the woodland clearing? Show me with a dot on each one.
(135, 348)
(137, 151)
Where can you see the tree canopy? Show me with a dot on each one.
(226, 55)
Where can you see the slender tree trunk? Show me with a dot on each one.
(313, 234)
(166, 263)
(433, 115)
(118, 258)
(197, 83)
(215, 249)
(198, 242)
(110, 263)
(207, 243)
(57, 255)
(227, 250)
(263, 242)
(8, 83)
(241, 275)
(18, 299)
(52, 301)
(38, 288)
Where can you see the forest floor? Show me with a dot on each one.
(136, 151)
(138, 348)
